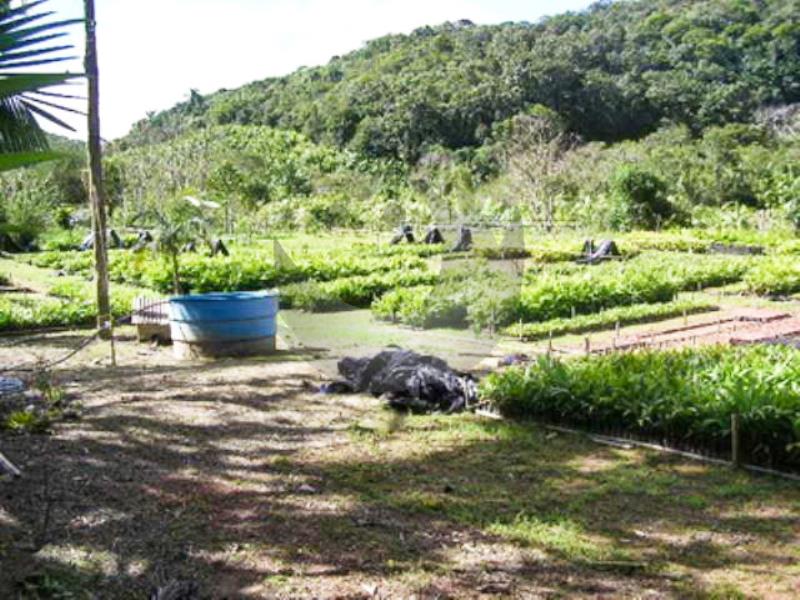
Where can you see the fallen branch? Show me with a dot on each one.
(9, 467)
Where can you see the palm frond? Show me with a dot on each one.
(31, 98)
(19, 131)
(45, 114)
(10, 13)
(15, 160)
(12, 84)
(57, 95)
(26, 42)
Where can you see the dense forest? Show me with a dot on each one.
(616, 71)
(626, 115)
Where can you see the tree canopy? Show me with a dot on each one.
(615, 71)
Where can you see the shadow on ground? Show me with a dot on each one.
(236, 476)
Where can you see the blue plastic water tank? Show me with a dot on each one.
(220, 324)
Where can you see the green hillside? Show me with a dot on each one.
(628, 115)
(616, 71)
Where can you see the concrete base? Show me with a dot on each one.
(195, 350)
(145, 332)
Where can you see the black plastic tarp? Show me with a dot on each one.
(407, 380)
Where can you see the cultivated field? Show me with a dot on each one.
(237, 475)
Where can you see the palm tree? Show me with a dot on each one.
(29, 40)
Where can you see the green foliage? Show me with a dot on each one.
(606, 319)
(642, 198)
(24, 47)
(614, 71)
(648, 278)
(684, 397)
(350, 292)
(665, 241)
(245, 168)
(475, 294)
(24, 421)
(62, 240)
(774, 277)
(328, 211)
(25, 311)
(71, 304)
(419, 128)
(37, 198)
(245, 269)
(27, 201)
(492, 299)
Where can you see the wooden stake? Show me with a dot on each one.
(113, 348)
(550, 343)
(588, 346)
(572, 310)
(97, 194)
(9, 467)
(736, 455)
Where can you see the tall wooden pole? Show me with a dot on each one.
(97, 194)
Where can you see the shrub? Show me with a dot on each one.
(473, 295)
(244, 270)
(353, 292)
(642, 195)
(24, 421)
(684, 397)
(774, 277)
(63, 239)
(487, 299)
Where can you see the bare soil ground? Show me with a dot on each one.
(729, 325)
(236, 475)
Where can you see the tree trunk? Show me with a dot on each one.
(97, 194)
(176, 273)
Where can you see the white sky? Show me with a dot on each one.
(152, 52)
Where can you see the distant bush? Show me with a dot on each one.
(642, 197)
(62, 239)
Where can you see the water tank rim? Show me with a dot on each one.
(224, 296)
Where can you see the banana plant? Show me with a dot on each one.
(30, 40)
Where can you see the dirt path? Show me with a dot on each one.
(235, 475)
